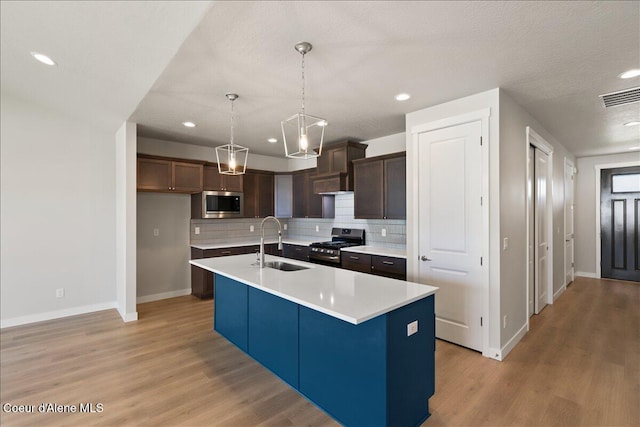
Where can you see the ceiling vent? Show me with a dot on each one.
(623, 97)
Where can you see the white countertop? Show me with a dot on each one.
(347, 295)
(205, 246)
(376, 250)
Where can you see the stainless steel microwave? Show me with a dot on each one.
(222, 204)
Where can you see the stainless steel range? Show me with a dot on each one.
(329, 252)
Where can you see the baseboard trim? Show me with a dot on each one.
(163, 295)
(585, 274)
(56, 314)
(506, 349)
(559, 292)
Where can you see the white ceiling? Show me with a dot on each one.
(553, 58)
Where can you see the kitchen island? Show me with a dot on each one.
(360, 347)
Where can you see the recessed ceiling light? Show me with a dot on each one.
(632, 124)
(272, 140)
(402, 96)
(43, 58)
(630, 74)
(189, 124)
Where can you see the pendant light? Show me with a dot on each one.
(302, 133)
(232, 158)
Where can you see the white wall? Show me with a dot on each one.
(585, 200)
(513, 184)
(386, 145)
(57, 214)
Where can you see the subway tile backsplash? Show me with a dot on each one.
(215, 231)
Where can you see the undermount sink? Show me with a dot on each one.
(284, 266)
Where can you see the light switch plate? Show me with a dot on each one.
(156, 232)
(251, 229)
(412, 328)
(197, 230)
(384, 232)
(285, 227)
(505, 243)
(317, 228)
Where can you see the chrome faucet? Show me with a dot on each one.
(262, 237)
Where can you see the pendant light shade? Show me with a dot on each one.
(232, 158)
(303, 133)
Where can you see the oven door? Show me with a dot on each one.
(330, 257)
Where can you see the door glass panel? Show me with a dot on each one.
(625, 183)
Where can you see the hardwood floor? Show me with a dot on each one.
(578, 365)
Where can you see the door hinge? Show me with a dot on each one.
(480, 140)
(480, 200)
(480, 321)
(480, 261)
(573, 264)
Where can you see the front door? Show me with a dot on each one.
(620, 223)
(450, 189)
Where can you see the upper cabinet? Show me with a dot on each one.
(307, 204)
(215, 181)
(334, 171)
(258, 194)
(283, 184)
(168, 176)
(380, 187)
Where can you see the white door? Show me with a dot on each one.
(532, 228)
(568, 222)
(450, 215)
(542, 230)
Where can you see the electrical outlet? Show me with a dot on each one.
(505, 243)
(317, 228)
(59, 292)
(156, 232)
(504, 322)
(285, 227)
(412, 328)
(384, 232)
(197, 230)
(251, 228)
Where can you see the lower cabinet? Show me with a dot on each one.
(202, 281)
(395, 268)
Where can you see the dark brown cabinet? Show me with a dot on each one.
(213, 180)
(380, 187)
(298, 252)
(306, 204)
(258, 194)
(334, 171)
(395, 268)
(168, 176)
(203, 281)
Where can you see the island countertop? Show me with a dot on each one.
(344, 294)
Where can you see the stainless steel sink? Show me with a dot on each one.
(284, 266)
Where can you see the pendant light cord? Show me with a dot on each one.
(232, 123)
(303, 83)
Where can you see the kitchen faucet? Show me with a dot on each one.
(262, 237)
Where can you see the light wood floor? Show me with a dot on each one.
(578, 365)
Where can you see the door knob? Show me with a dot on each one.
(424, 258)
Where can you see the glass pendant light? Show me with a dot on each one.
(232, 158)
(302, 133)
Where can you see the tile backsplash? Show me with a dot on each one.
(214, 231)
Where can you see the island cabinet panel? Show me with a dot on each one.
(231, 308)
(273, 334)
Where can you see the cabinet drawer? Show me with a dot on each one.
(395, 268)
(236, 250)
(296, 252)
(357, 262)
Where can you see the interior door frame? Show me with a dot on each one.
(569, 165)
(483, 116)
(534, 139)
(598, 170)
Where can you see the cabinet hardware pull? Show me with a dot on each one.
(225, 252)
(387, 262)
(354, 257)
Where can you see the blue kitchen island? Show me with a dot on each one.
(360, 347)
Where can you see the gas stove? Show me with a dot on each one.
(329, 252)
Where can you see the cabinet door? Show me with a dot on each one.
(250, 185)
(232, 182)
(299, 195)
(298, 252)
(368, 185)
(187, 177)
(211, 180)
(265, 195)
(283, 196)
(395, 188)
(154, 175)
(231, 311)
(314, 201)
